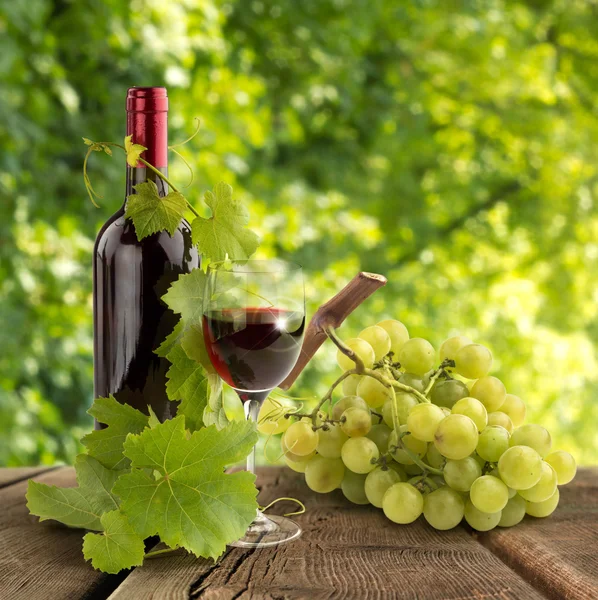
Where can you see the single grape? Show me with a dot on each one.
(415, 381)
(411, 470)
(410, 442)
(443, 508)
(479, 520)
(363, 351)
(434, 458)
(472, 408)
(387, 413)
(331, 440)
(417, 356)
(378, 339)
(489, 494)
(460, 474)
(350, 383)
(520, 467)
(493, 443)
(500, 419)
(543, 509)
(356, 422)
(357, 454)
(373, 392)
(378, 481)
(473, 361)
(271, 419)
(564, 465)
(545, 486)
(397, 332)
(380, 434)
(490, 391)
(347, 402)
(450, 347)
(513, 512)
(353, 488)
(534, 436)
(400, 469)
(423, 420)
(298, 466)
(301, 439)
(323, 475)
(456, 437)
(514, 408)
(402, 503)
(446, 393)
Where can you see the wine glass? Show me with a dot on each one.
(253, 326)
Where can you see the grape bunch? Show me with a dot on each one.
(449, 442)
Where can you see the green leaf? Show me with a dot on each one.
(107, 444)
(133, 151)
(88, 142)
(194, 504)
(214, 413)
(185, 296)
(171, 340)
(187, 382)
(118, 547)
(194, 345)
(76, 507)
(151, 213)
(224, 234)
(152, 420)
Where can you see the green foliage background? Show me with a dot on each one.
(449, 145)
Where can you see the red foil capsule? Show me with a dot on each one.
(147, 122)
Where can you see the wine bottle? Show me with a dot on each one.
(131, 276)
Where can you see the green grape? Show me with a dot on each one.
(397, 332)
(400, 469)
(378, 481)
(271, 419)
(387, 413)
(349, 385)
(479, 459)
(356, 422)
(473, 361)
(323, 475)
(446, 393)
(490, 391)
(412, 469)
(543, 509)
(363, 351)
(450, 347)
(493, 443)
(423, 420)
(301, 439)
(415, 381)
(410, 442)
(404, 403)
(534, 436)
(545, 486)
(434, 458)
(330, 441)
(520, 467)
(500, 419)
(489, 494)
(460, 474)
(513, 512)
(443, 508)
(402, 503)
(380, 434)
(358, 453)
(564, 465)
(479, 520)
(456, 437)
(291, 455)
(347, 402)
(417, 356)
(298, 466)
(514, 408)
(474, 409)
(373, 392)
(353, 488)
(378, 339)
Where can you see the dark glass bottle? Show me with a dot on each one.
(130, 276)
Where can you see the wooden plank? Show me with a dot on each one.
(559, 554)
(44, 560)
(12, 475)
(346, 551)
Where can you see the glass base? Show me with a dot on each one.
(268, 531)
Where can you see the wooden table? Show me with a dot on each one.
(346, 551)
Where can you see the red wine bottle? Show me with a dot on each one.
(131, 276)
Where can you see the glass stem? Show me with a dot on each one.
(252, 409)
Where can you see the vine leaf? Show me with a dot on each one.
(171, 340)
(81, 506)
(185, 296)
(118, 547)
(151, 213)
(189, 501)
(224, 233)
(133, 151)
(214, 413)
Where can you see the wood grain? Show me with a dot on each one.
(333, 312)
(559, 555)
(10, 476)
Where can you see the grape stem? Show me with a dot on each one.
(415, 458)
(437, 373)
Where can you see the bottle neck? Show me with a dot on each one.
(137, 175)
